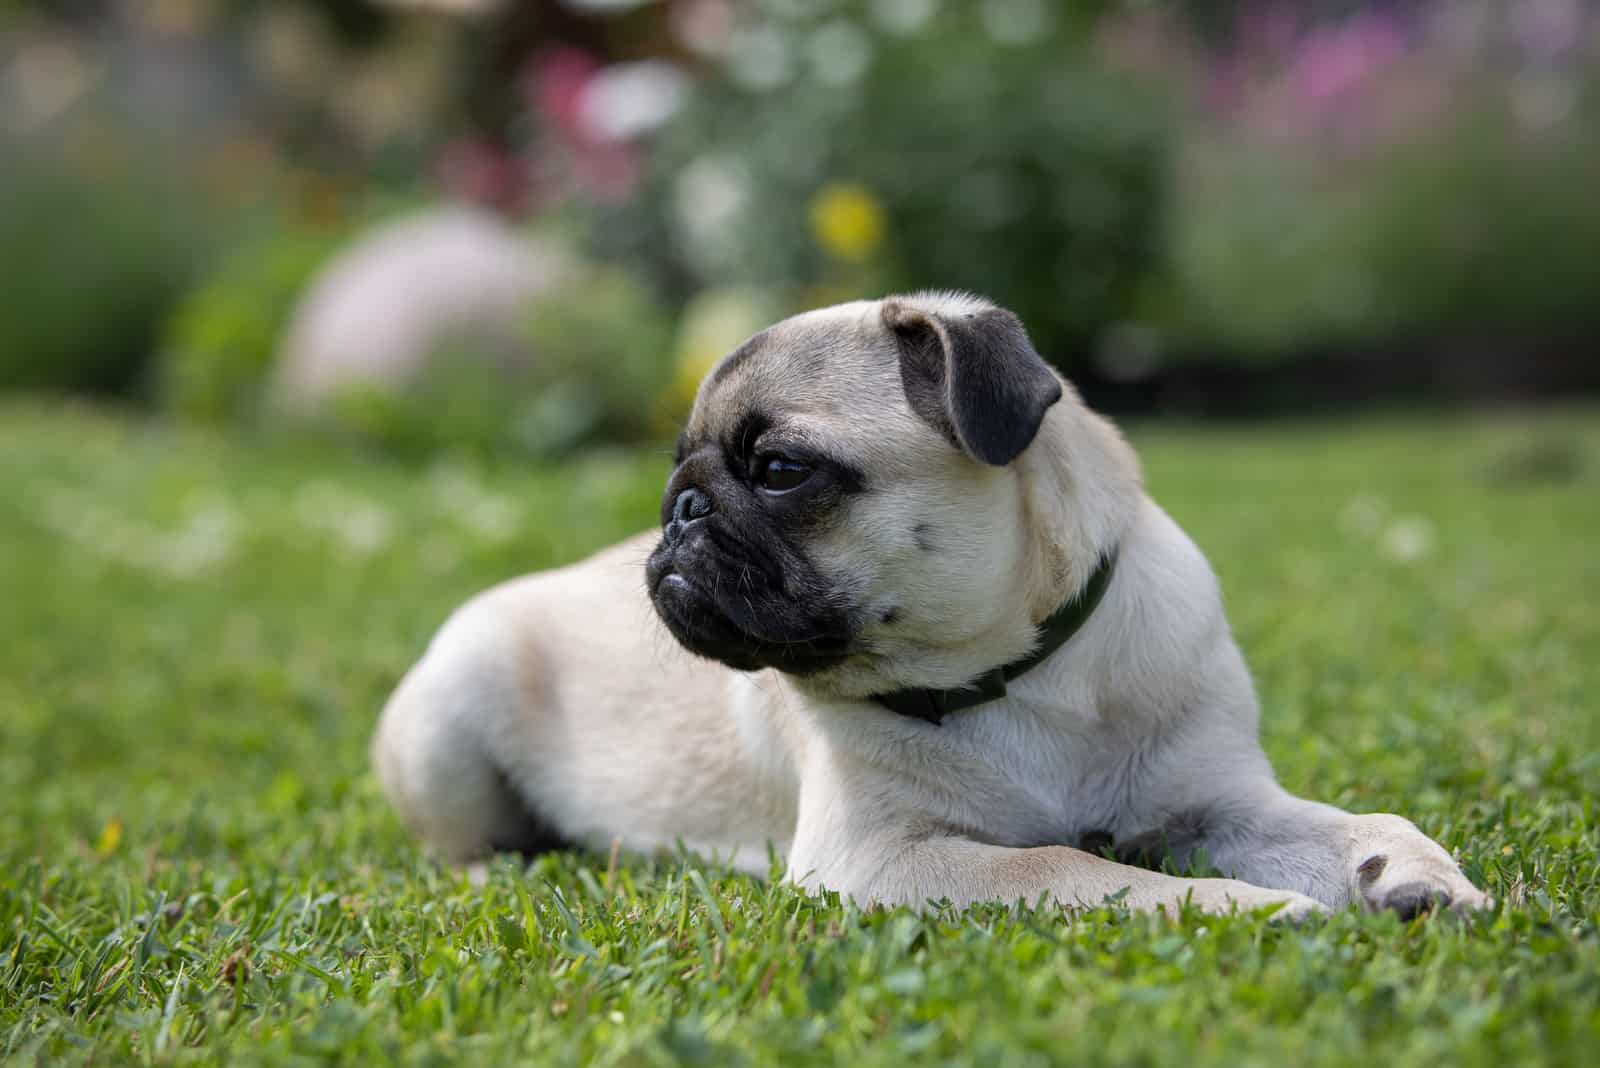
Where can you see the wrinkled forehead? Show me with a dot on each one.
(815, 370)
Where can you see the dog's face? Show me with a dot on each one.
(845, 505)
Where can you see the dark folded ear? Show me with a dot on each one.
(974, 376)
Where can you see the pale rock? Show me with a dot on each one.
(390, 301)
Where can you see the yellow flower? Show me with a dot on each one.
(847, 221)
(110, 837)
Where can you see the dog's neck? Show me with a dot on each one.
(1081, 488)
(1080, 491)
(933, 705)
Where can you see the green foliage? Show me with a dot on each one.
(1003, 157)
(196, 867)
(220, 343)
(1481, 225)
(1491, 229)
(97, 245)
(604, 342)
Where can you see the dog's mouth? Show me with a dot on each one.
(726, 614)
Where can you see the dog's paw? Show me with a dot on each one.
(1231, 895)
(1402, 870)
(1298, 908)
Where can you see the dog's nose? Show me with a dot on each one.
(690, 505)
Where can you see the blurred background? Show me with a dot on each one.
(521, 228)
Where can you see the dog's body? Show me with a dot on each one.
(950, 496)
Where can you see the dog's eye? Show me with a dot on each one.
(776, 474)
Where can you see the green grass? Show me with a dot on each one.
(196, 633)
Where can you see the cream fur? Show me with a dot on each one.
(561, 694)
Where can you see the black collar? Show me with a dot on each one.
(934, 705)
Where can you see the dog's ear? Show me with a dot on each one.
(973, 374)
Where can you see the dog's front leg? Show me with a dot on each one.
(964, 872)
(1378, 860)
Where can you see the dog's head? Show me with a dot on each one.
(876, 495)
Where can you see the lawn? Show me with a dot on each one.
(197, 631)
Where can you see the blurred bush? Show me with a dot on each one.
(1241, 183)
(1425, 173)
(603, 349)
(219, 346)
(847, 149)
(97, 244)
(1443, 238)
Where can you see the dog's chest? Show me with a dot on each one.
(1017, 781)
(1068, 774)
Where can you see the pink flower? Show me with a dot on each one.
(483, 173)
(607, 173)
(554, 86)
(1334, 64)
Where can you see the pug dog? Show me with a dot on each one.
(911, 621)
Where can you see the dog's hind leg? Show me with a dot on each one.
(440, 745)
